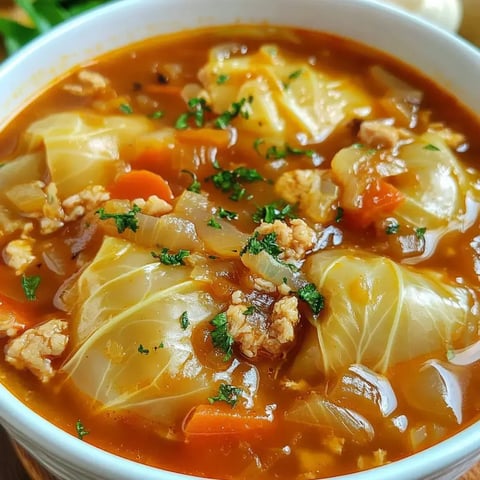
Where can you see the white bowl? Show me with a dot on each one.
(442, 56)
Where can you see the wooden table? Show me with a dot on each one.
(12, 468)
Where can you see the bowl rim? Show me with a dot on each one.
(18, 418)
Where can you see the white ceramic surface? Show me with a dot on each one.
(451, 62)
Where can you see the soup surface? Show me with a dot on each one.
(245, 253)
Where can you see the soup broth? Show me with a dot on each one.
(248, 252)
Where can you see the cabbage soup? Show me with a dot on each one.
(244, 253)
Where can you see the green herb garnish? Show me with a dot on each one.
(214, 224)
(30, 285)
(250, 310)
(274, 211)
(195, 186)
(268, 244)
(431, 147)
(228, 214)
(392, 228)
(220, 337)
(184, 320)
(122, 220)
(197, 109)
(229, 181)
(420, 232)
(81, 430)
(227, 393)
(241, 108)
(156, 115)
(171, 258)
(291, 77)
(142, 350)
(222, 78)
(309, 294)
(126, 108)
(275, 153)
(339, 214)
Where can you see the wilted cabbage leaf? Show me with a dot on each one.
(129, 349)
(379, 313)
(434, 187)
(84, 149)
(286, 95)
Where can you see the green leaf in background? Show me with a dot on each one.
(43, 14)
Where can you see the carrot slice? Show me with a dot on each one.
(14, 314)
(140, 184)
(153, 159)
(204, 136)
(379, 198)
(212, 420)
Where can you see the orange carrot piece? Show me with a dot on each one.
(153, 159)
(204, 136)
(15, 312)
(140, 184)
(212, 420)
(379, 198)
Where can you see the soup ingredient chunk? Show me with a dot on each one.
(36, 347)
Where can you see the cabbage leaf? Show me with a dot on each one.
(84, 149)
(386, 314)
(287, 95)
(129, 349)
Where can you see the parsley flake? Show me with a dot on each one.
(340, 213)
(275, 152)
(171, 258)
(249, 310)
(420, 232)
(142, 350)
(30, 285)
(184, 320)
(241, 108)
(268, 243)
(228, 214)
(220, 337)
(227, 393)
(274, 211)
(126, 108)
(214, 224)
(222, 78)
(156, 115)
(197, 108)
(81, 430)
(195, 186)
(392, 227)
(309, 294)
(122, 220)
(431, 147)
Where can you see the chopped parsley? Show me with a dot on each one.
(171, 258)
(228, 214)
(227, 393)
(220, 337)
(214, 224)
(256, 144)
(229, 181)
(241, 108)
(122, 220)
(222, 78)
(274, 211)
(142, 350)
(184, 320)
(195, 186)
(249, 310)
(291, 77)
(197, 109)
(156, 114)
(275, 152)
(339, 215)
(431, 147)
(30, 285)
(126, 108)
(160, 345)
(309, 294)
(81, 430)
(392, 227)
(268, 243)
(420, 232)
